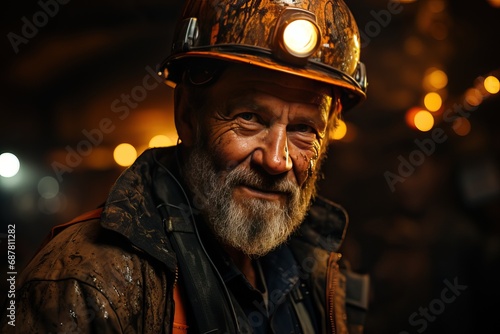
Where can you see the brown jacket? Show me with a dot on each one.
(116, 274)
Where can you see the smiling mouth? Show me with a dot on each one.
(249, 191)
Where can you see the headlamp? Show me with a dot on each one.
(296, 36)
(300, 38)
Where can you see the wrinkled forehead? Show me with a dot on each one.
(237, 79)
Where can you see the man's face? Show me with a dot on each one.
(254, 163)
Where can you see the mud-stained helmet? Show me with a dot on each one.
(315, 39)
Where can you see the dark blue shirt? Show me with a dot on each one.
(272, 308)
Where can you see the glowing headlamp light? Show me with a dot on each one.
(297, 36)
(300, 38)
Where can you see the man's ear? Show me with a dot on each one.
(184, 118)
(335, 117)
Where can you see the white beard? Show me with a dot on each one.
(254, 226)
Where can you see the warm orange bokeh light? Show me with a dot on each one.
(340, 131)
(414, 46)
(161, 141)
(424, 121)
(492, 84)
(433, 101)
(461, 126)
(124, 154)
(494, 3)
(473, 97)
(435, 79)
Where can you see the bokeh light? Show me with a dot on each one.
(492, 84)
(494, 3)
(424, 121)
(433, 101)
(461, 126)
(435, 79)
(413, 46)
(9, 165)
(340, 131)
(125, 154)
(48, 187)
(161, 141)
(473, 97)
(50, 206)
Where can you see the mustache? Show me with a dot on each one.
(241, 176)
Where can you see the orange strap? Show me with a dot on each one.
(93, 214)
(180, 319)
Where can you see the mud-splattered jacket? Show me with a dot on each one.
(116, 274)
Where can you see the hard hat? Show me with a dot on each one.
(315, 39)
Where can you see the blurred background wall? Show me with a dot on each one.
(417, 168)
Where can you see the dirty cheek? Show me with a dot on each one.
(304, 167)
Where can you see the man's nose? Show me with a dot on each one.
(273, 155)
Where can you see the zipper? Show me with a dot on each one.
(176, 278)
(331, 279)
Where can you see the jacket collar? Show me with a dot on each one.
(325, 225)
(131, 207)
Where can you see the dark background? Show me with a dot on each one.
(439, 226)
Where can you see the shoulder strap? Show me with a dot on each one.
(207, 295)
(357, 299)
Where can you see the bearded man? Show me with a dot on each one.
(224, 232)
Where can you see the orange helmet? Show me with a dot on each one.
(315, 39)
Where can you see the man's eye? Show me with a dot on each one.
(247, 116)
(301, 128)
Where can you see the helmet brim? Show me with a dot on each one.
(351, 92)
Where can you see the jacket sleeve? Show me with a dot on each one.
(90, 280)
(65, 306)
